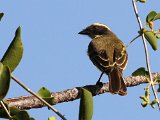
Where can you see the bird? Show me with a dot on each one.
(108, 53)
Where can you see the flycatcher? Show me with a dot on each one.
(108, 54)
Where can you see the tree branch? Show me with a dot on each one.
(29, 102)
(39, 98)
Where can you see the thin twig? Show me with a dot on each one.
(132, 40)
(146, 51)
(42, 100)
(8, 113)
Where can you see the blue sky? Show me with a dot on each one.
(55, 55)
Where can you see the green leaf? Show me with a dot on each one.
(154, 102)
(144, 98)
(139, 72)
(32, 118)
(5, 77)
(13, 55)
(142, 1)
(1, 15)
(151, 38)
(153, 106)
(144, 104)
(12, 111)
(16, 113)
(21, 115)
(158, 36)
(44, 92)
(147, 93)
(157, 79)
(86, 105)
(157, 16)
(158, 90)
(52, 118)
(151, 16)
(46, 95)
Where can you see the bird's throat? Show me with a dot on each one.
(94, 36)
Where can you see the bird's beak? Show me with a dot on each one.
(83, 32)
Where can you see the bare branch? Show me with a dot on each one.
(29, 102)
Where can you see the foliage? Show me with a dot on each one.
(14, 53)
(86, 105)
(1, 15)
(15, 113)
(46, 95)
(5, 77)
(151, 35)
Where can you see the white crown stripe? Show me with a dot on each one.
(99, 24)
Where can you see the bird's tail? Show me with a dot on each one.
(116, 83)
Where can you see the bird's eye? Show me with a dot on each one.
(95, 27)
(92, 28)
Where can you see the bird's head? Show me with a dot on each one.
(95, 30)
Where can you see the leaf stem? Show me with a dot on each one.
(133, 40)
(146, 52)
(8, 113)
(41, 99)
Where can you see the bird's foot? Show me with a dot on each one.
(99, 83)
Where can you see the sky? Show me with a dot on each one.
(55, 54)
